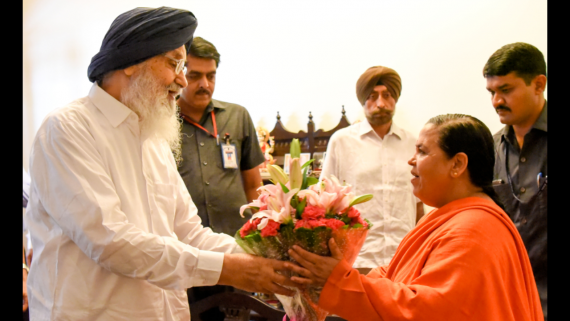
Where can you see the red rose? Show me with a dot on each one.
(333, 223)
(300, 223)
(270, 229)
(316, 223)
(353, 212)
(309, 224)
(248, 227)
(313, 212)
(358, 220)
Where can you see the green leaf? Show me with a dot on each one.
(255, 237)
(285, 189)
(344, 227)
(300, 208)
(320, 229)
(361, 199)
(304, 183)
(369, 224)
(311, 181)
(295, 201)
(307, 163)
(357, 225)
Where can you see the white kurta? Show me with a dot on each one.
(115, 233)
(372, 165)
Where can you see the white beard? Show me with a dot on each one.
(158, 116)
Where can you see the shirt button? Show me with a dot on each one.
(201, 144)
(523, 159)
(205, 163)
(523, 189)
(207, 183)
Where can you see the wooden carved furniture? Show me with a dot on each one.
(311, 141)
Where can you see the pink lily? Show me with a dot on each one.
(342, 203)
(311, 195)
(256, 203)
(280, 217)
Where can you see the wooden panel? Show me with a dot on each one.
(282, 139)
(310, 140)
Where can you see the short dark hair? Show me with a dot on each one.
(460, 133)
(522, 58)
(202, 48)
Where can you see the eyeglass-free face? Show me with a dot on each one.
(201, 77)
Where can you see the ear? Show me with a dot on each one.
(539, 83)
(459, 165)
(129, 71)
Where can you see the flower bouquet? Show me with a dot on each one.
(303, 211)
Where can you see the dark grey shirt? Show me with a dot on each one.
(525, 164)
(529, 212)
(217, 192)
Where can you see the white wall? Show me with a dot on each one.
(298, 56)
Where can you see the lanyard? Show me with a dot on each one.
(215, 134)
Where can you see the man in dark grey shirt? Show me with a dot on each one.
(218, 189)
(220, 177)
(516, 79)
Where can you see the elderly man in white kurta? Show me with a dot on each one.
(373, 156)
(115, 233)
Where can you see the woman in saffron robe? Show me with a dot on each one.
(463, 261)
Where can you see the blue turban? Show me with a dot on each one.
(140, 34)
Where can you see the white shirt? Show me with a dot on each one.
(372, 165)
(26, 195)
(115, 233)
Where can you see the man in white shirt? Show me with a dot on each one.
(115, 233)
(373, 156)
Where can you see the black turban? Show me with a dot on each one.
(378, 74)
(140, 34)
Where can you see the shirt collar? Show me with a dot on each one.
(215, 103)
(365, 128)
(114, 110)
(541, 121)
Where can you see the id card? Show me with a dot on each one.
(229, 155)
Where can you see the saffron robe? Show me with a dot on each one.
(463, 261)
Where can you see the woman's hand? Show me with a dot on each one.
(25, 291)
(315, 269)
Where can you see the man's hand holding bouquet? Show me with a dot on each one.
(303, 211)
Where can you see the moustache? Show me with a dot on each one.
(203, 91)
(502, 107)
(175, 87)
(383, 111)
